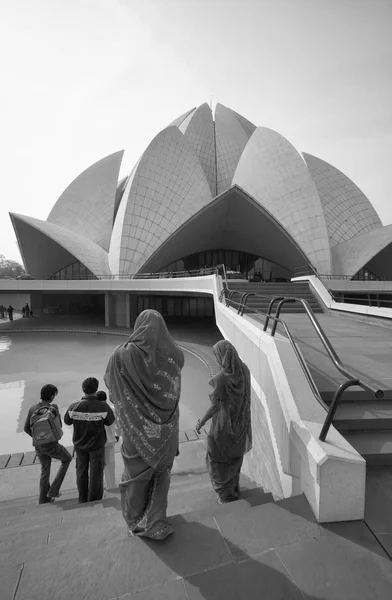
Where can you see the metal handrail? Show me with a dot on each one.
(298, 354)
(160, 275)
(334, 405)
(370, 297)
(223, 294)
(243, 300)
(327, 344)
(351, 378)
(230, 296)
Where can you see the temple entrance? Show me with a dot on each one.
(245, 265)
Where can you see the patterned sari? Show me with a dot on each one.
(230, 435)
(143, 377)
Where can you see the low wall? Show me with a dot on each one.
(370, 312)
(287, 457)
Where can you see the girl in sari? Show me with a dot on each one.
(230, 435)
(143, 377)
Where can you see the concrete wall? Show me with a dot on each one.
(369, 313)
(287, 457)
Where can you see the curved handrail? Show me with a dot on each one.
(334, 405)
(327, 345)
(243, 300)
(352, 379)
(223, 293)
(299, 356)
(230, 296)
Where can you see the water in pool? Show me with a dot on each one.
(28, 361)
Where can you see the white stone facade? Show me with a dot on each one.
(123, 227)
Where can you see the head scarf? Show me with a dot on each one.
(232, 427)
(143, 377)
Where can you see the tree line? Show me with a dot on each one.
(10, 268)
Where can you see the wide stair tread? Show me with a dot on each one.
(375, 447)
(376, 415)
(104, 563)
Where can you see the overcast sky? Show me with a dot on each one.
(81, 79)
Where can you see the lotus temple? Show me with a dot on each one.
(230, 232)
(209, 189)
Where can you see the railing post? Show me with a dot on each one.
(334, 405)
(243, 302)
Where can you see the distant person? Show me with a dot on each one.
(143, 377)
(27, 310)
(43, 424)
(10, 311)
(230, 435)
(2, 311)
(89, 417)
(23, 311)
(111, 439)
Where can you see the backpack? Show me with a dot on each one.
(45, 426)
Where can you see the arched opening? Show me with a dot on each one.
(239, 265)
(233, 223)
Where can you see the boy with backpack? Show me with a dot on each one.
(43, 425)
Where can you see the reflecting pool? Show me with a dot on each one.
(28, 361)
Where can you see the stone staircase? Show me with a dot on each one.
(366, 423)
(65, 551)
(250, 549)
(271, 290)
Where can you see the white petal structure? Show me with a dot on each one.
(167, 187)
(231, 138)
(347, 211)
(372, 249)
(87, 205)
(47, 247)
(209, 184)
(273, 172)
(199, 131)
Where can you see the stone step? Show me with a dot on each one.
(375, 447)
(101, 558)
(88, 517)
(364, 415)
(187, 493)
(357, 395)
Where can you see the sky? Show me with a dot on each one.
(81, 79)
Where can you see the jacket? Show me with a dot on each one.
(89, 417)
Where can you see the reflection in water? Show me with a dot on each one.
(31, 360)
(5, 343)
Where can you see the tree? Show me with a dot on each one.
(10, 268)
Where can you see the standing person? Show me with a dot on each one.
(10, 311)
(144, 380)
(23, 311)
(111, 439)
(43, 424)
(2, 310)
(27, 310)
(88, 417)
(230, 435)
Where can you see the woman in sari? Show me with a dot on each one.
(143, 377)
(230, 435)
